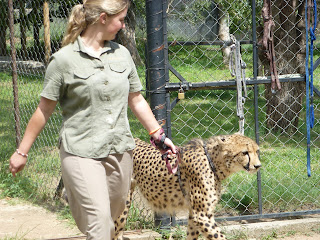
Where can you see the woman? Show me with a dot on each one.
(94, 80)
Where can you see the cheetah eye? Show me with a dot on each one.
(245, 153)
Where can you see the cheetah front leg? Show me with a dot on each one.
(193, 230)
(206, 224)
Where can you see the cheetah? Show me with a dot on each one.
(196, 186)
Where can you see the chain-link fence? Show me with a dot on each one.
(201, 36)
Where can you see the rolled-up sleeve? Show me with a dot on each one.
(134, 80)
(53, 81)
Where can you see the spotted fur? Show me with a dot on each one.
(229, 153)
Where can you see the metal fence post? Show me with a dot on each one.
(156, 73)
(256, 94)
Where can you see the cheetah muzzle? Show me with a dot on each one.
(199, 187)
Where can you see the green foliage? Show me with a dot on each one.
(237, 235)
(20, 186)
(139, 5)
(179, 233)
(240, 14)
(194, 10)
(136, 220)
(271, 236)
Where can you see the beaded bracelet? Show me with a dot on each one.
(22, 154)
(154, 131)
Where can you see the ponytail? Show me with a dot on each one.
(83, 15)
(76, 24)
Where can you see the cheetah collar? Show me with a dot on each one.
(213, 168)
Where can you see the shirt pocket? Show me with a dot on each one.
(77, 85)
(83, 73)
(118, 67)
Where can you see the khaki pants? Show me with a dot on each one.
(97, 190)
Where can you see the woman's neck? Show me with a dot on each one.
(92, 40)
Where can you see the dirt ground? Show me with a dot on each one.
(25, 221)
(20, 220)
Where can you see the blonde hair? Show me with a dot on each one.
(88, 13)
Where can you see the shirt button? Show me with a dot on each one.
(106, 83)
(108, 98)
(109, 120)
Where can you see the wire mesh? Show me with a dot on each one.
(197, 32)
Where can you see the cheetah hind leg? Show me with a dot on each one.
(122, 219)
(207, 226)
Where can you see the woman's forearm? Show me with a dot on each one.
(142, 111)
(37, 123)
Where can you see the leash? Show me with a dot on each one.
(172, 169)
(309, 75)
(180, 182)
(160, 145)
(238, 69)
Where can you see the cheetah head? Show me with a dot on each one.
(240, 153)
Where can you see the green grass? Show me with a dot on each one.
(137, 220)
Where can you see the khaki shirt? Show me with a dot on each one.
(93, 94)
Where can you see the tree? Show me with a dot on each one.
(127, 36)
(283, 107)
(4, 23)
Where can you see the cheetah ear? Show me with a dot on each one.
(238, 133)
(222, 139)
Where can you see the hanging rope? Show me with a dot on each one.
(309, 73)
(238, 69)
(312, 39)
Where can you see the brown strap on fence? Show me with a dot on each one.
(268, 44)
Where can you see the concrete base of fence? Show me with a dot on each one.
(253, 230)
(257, 229)
(141, 235)
(25, 67)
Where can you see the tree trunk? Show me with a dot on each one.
(3, 27)
(3, 45)
(284, 106)
(127, 36)
(224, 35)
(23, 29)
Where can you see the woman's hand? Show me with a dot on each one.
(171, 147)
(164, 144)
(17, 163)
